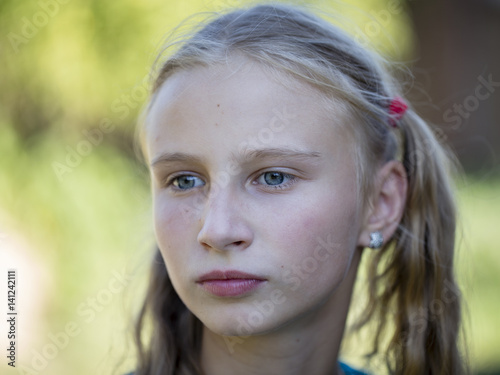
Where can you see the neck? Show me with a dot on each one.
(308, 345)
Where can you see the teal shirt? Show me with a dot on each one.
(350, 371)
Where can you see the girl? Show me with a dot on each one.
(280, 150)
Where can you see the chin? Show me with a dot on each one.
(240, 325)
(250, 323)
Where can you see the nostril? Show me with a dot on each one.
(237, 243)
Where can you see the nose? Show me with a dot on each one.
(224, 226)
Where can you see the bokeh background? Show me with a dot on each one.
(75, 218)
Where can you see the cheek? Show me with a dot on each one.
(316, 240)
(175, 229)
(316, 221)
(173, 222)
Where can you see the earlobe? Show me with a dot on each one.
(387, 203)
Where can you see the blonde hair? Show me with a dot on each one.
(413, 269)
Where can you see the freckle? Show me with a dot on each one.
(282, 266)
(218, 105)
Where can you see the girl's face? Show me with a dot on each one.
(255, 197)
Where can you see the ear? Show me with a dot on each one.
(387, 203)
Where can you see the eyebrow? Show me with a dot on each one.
(172, 157)
(245, 157)
(279, 153)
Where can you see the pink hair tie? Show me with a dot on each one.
(397, 109)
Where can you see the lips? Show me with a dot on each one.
(229, 283)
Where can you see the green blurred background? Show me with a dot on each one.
(75, 216)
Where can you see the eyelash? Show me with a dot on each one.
(171, 181)
(290, 180)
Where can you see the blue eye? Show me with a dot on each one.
(275, 179)
(186, 182)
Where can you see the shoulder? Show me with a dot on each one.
(350, 371)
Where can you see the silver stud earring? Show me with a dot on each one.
(376, 240)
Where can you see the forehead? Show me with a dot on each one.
(227, 105)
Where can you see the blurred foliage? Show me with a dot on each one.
(74, 74)
(67, 64)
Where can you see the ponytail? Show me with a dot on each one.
(412, 278)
